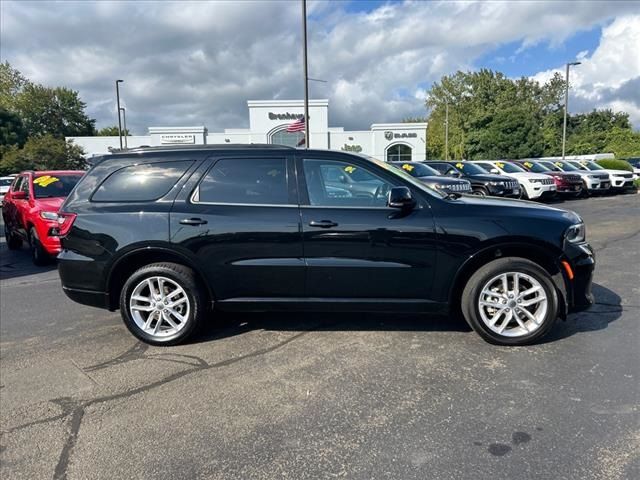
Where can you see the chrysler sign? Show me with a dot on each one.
(177, 139)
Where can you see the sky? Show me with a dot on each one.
(197, 63)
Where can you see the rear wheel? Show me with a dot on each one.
(510, 301)
(162, 303)
(13, 241)
(39, 255)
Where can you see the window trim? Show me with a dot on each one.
(289, 182)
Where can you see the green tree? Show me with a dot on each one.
(11, 84)
(12, 131)
(43, 153)
(54, 111)
(111, 131)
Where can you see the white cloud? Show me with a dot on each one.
(198, 62)
(610, 77)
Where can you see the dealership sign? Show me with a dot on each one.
(285, 116)
(177, 139)
(351, 148)
(390, 135)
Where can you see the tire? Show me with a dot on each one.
(480, 192)
(543, 312)
(13, 241)
(172, 277)
(39, 255)
(523, 193)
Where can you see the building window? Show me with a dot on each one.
(290, 139)
(399, 153)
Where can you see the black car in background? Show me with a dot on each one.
(171, 235)
(567, 183)
(482, 182)
(431, 177)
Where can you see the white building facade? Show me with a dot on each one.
(268, 121)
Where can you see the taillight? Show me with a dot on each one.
(65, 222)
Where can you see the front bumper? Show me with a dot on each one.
(582, 260)
(570, 189)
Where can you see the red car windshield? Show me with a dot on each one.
(46, 186)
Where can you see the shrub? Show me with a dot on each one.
(615, 164)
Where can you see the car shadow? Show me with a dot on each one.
(607, 309)
(229, 324)
(17, 263)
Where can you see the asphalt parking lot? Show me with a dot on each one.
(324, 396)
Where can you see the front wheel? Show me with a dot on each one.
(510, 301)
(162, 303)
(480, 192)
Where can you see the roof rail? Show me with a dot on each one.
(214, 146)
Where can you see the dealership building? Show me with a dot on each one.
(268, 121)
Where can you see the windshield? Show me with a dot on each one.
(578, 165)
(592, 166)
(417, 169)
(401, 173)
(510, 167)
(469, 168)
(536, 167)
(45, 186)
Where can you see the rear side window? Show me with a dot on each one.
(255, 181)
(141, 183)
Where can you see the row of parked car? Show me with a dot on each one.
(527, 179)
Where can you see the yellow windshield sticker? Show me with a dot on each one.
(273, 173)
(558, 164)
(349, 169)
(460, 165)
(45, 180)
(500, 164)
(528, 164)
(407, 167)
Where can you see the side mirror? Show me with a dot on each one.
(19, 195)
(453, 173)
(400, 197)
(495, 170)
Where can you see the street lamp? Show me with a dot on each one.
(306, 74)
(446, 130)
(124, 121)
(118, 100)
(566, 105)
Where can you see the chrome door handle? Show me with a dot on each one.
(193, 221)
(322, 224)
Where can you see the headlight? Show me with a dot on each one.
(496, 184)
(576, 233)
(49, 215)
(535, 180)
(437, 185)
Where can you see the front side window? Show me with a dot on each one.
(254, 181)
(50, 186)
(341, 184)
(510, 167)
(141, 183)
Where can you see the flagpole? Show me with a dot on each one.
(306, 74)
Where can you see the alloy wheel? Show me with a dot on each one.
(159, 306)
(513, 304)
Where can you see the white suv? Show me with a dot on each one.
(593, 181)
(620, 179)
(534, 185)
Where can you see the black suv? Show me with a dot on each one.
(171, 234)
(483, 183)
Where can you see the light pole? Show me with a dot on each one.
(124, 122)
(118, 100)
(566, 106)
(306, 74)
(446, 131)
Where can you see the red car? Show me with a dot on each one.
(30, 211)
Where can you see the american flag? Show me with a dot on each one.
(297, 126)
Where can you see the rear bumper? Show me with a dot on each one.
(88, 297)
